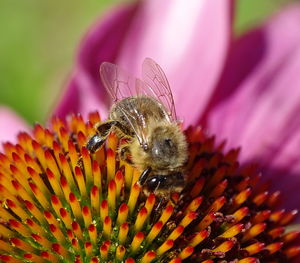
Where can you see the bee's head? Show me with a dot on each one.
(164, 149)
(167, 147)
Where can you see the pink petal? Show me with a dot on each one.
(10, 125)
(84, 92)
(189, 41)
(262, 106)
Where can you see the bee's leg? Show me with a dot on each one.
(124, 153)
(96, 141)
(103, 130)
(161, 202)
(144, 175)
(92, 145)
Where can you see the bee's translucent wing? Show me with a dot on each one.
(157, 86)
(120, 85)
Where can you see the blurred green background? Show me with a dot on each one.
(39, 39)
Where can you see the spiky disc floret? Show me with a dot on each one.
(52, 210)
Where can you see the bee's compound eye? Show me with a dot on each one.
(152, 183)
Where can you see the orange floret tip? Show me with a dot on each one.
(94, 260)
(86, 211)
(242, 197)
(110, 153)
(107, 226)
(85, 153)
(274, 199)
(199, 237)
(291, 236)
(255, 248)
(288, 217)
(186, 252)
(94, 117)
(233, 231)
(274, 247)
(224, 247)
(136, 242)
(249, 260)
(81, 139)
(120, 252)
(261, 216)
(167, 245)
(129, 260)
(148, 257)
(292, 252)
(94, 191)
(254, 231)
(261, 198)
(196, 190)
(194, 205)
(140, 220)
(63, 182)
(122, 214)
(166, 214)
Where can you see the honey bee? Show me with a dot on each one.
(143, 114)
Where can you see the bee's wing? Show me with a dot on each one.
(157, 86)
(120, 85)
(117, 82)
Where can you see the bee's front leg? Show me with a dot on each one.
(103, 130)
(97, 140)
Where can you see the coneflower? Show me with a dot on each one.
(55, 210)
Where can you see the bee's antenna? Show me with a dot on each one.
(161, 201)
(157, 187)
(158, 209)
